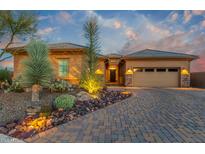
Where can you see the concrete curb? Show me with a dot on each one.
(8, 139)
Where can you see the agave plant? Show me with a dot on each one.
(38, 70)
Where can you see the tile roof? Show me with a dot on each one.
(52, 46)
(149, 53)
(113, 55)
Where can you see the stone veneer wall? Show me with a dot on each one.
(128, 80)
(185, 81)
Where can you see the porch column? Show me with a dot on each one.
(128, 80)
(185, 78)
(128, 77)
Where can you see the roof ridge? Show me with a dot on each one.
(71, 43)
(156, 50)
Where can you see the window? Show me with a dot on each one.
(149, 70)
(161, 69)
(173, 70)
(63, 67)
(138, 69)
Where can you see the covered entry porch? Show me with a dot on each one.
(114, 71)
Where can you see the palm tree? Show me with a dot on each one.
(38, 70)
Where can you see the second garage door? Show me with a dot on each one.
(156, 77)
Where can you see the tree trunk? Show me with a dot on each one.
(35, 93)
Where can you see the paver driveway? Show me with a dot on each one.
(151, 115)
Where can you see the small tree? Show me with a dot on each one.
(89, 79)
(15, 25)
(38, 70)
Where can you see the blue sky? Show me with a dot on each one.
(129, 31)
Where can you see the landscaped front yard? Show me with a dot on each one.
(52, 99)
(14, 106)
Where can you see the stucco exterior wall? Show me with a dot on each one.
(75, 59)
(181, 64)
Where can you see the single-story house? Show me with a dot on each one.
(146, 68)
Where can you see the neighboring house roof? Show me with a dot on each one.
(149, 53)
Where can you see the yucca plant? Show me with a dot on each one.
(89, 79)
(38, 70)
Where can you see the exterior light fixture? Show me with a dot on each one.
(112, 68)
(129, 72)
(99, 72)
(184, 72)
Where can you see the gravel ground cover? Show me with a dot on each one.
(13, 105)
(22, 126)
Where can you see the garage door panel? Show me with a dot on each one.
(156, 79)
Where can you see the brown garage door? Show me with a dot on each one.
(156, 77)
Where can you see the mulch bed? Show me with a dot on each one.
(31, 125)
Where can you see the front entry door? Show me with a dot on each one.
(112, 75)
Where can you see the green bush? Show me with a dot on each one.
(16, 86)
(4, 85)
(59, 86)
(64, 101)
(5, 75)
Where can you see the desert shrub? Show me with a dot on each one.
(59, 86)
(5, 76)
(91, 84)
(45, 110)
(16, 85)
(4, 85)
(64, 101)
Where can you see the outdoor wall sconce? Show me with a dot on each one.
(99, 72)
(129, 72)
(184, 72)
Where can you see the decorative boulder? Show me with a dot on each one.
(35, 93)
(83, 96)
(32, 110)
(70, 87)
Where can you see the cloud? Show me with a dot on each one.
(45, 31)
(198, 12)
(131, 34)
(63, 17)
(44, 17)
(158, 30)
(187, 16)
(117, 24)
(203, 24)
(60, 17)
(174, 16)
(113, 23)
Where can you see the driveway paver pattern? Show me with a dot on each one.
(150, 115)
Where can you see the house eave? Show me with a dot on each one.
(161, 58)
